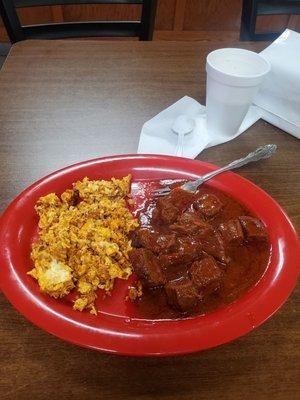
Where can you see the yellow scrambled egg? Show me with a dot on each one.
(84, 240)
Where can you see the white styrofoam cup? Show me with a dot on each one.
(233, 79)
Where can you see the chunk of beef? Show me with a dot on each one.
(182, 199)
(188, 250)
(190, 223)
(135, 240)
(164, 243)
(206, 275)
(146, 266)
(208, 204)
(182, 294)
(231, 231)
(171, 206)
(213, 244)
(167, 212)
(155, 216)
(176, 258)
(253, 228)
(156, 242)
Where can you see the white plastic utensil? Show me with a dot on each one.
(183, 125)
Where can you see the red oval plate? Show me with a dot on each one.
(114, 330)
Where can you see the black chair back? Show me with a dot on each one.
(254, 8)
(142, 29)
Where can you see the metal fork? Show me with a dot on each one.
(191, 186)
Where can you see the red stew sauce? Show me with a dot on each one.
(195, 253)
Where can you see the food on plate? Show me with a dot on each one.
(191, 252)
(196, 252)
(147, 267)
(84, 240)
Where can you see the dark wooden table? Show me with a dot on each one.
(66, 101)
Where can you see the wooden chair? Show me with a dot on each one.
(253, 8)
(143, 29)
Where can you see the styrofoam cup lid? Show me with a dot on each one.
(237, 67)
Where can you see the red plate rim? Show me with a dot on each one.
(141, 337)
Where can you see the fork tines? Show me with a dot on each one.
(161, 192)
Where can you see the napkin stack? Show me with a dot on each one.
(279, 97)
(277, 102)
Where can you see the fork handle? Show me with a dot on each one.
(256, 155)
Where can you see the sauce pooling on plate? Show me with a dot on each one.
(195, 253)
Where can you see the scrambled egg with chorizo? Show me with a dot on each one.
(84, 240)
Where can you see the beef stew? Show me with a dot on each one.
(195, 253)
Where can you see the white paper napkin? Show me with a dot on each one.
(278, 103)
(157, 136)
(279, 96)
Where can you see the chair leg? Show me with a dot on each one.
(148, 19)
(248, 20)
(11, 21)
(265, 37)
